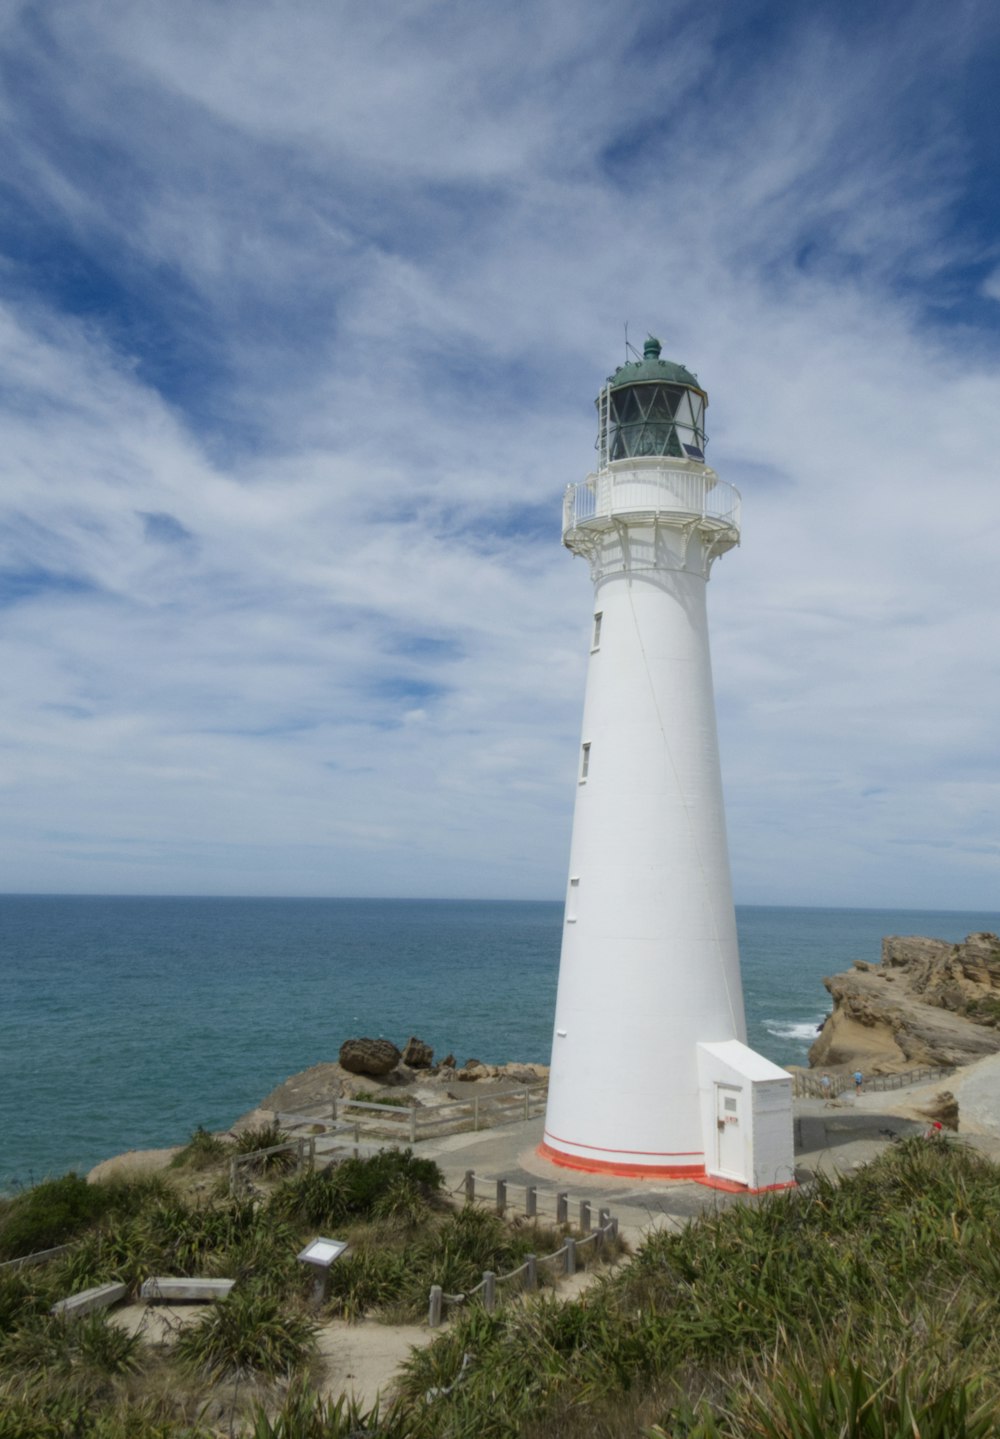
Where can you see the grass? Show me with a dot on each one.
(203, 1151)
(864, 1309)
(853, 1309)
(394, 1101)
(243, 1365)
(248, 1335)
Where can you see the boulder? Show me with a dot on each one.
(369, 1056)
(519, 1074)
(448, 1062)
(943, 1111)
(417, 1054)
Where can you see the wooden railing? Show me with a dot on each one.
(565, 1257)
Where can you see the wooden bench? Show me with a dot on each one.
(102, 1296)
(169, 1290)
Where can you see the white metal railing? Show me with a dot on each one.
(809, 1083)
(411, 1123)
(655, 489)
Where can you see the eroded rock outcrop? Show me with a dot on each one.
(928, 1002)
(417, 1054)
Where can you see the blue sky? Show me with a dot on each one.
(302, 313)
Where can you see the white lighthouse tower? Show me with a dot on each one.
(650, 1072)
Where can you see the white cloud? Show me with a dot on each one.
(287, 609)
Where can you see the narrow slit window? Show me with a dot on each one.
(571, 898)
(595, 643)
(584, 762)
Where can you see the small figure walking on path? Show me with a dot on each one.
(827, 1088)
(935, 1130)
(859, 1080)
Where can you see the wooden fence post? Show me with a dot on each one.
(585, 1216)
(470, 1186)
(531, 1273)
(570, 1248)
(501, 1196)
(530, 1201)
(489, 1291)
(562, 1207)
(435, 1306)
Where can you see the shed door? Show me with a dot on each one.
(729, 1129)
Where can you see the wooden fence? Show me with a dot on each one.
(525, 1276)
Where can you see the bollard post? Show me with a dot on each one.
(435, 1306)
(562, 1207)
(489, 1291)
(570, 1247)
(585, 1216)
(531, 1273)
(470, 1185)
(501, 1196)
(530, 1201)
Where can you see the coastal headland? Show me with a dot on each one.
(928, 1003)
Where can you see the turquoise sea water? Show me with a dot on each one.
(126, 1022)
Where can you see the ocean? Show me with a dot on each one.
(127, 1022)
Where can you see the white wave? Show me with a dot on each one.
(804, 1030)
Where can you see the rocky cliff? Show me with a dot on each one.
(928, 1002)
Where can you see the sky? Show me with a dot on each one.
(303, 310)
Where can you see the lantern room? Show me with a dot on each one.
(652, 407)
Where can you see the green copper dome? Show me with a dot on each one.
(652, 368)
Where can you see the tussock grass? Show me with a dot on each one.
(864, 1308)
(203, 1151)
(248, 1335)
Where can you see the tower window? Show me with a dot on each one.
(584, 762)
(595, 643)
(571, 898)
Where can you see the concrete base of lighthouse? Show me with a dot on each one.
(745, 1104)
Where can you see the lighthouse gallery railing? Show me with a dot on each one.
(681, 493)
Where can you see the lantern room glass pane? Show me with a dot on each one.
(654, 419)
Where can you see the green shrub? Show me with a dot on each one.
(394, 1101)
(53, 1344)
(265, 1136)
(355, 1188)
(304, 1415)
(50, 1214)
(247, 1334)
(202, 1151)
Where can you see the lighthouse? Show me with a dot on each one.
(651, 1075)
